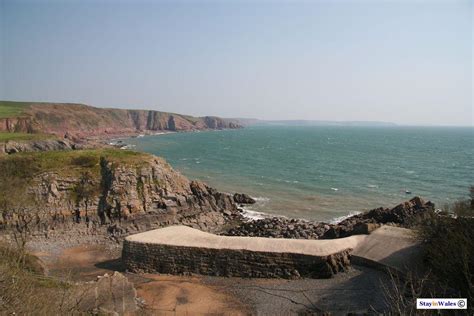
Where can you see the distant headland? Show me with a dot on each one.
(254, 121)
(83, 120)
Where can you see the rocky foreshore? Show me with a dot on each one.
(405, 215)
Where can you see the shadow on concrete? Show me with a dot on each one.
(409, 259)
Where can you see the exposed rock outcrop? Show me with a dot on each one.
(12, 147)
(123, 196)
(404, 214)
(242, 198)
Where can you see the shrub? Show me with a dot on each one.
(24, 290)
(449, 252)
(449, 247)
(448, 239)
(85, 161)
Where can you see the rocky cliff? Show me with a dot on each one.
(81, 120)
(106, 189)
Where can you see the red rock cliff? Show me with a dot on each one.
(83, 121)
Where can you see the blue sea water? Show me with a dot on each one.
(322, 173)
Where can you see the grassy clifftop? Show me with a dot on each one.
(12, 108)
(66, 163)
(84, 120)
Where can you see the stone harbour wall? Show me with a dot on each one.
(169, 259)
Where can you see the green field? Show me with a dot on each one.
(6, 136)
(12, 108)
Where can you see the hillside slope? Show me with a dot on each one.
(85, 121)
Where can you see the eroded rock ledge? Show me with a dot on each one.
(404, 215)
(181, 249)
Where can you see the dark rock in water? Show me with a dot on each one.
(405, 214)
(243, 198)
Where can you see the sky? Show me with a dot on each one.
(408, 62)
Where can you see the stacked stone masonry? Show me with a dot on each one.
(178, 259)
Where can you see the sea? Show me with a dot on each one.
(324, 173)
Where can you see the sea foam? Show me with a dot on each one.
(339, 219)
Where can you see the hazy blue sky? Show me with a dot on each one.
(401, 61)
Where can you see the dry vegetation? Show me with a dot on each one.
(449, 244)
(448, 240)
(24, 290)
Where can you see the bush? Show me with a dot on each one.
(449, 252)
(449, 248)
(24, 290)
(85, 161)
(448, 239)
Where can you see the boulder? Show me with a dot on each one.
(242, 198)
(364, 228)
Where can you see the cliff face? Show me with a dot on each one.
(97, 189)
(21, 124)
(85, 121)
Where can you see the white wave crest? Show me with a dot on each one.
(339, 219)
(253, 215)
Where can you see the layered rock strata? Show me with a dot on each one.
(13, 147)
(122, 196)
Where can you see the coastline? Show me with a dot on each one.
(387, 233)
(253, 215)
(189, 203)
(120, 142)
(299, 181)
